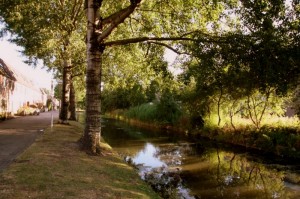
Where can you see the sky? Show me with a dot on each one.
(170, 57)
(10, 54)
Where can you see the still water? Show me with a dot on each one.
(179, 168)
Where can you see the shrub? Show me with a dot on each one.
(163, 112)
(168, 110)
(144, 112)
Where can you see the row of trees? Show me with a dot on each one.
(233, 48)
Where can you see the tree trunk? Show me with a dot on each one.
(65, 101)
(72, 107)
(232, 113)
(98, 29)
(219, 106)
(92, 132)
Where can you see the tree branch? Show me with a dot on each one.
(113, 16)
(169, 47)
(208, 38)
(115, 19)
(142, 39)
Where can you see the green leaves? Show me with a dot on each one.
(255, 56)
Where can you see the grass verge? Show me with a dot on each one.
(55, 167)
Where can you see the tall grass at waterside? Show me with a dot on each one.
(145, 112)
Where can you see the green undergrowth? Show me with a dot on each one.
(55, 167)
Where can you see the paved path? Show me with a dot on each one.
(19, 133)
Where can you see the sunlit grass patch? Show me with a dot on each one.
(279, 121)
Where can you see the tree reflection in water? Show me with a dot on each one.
(171, 168)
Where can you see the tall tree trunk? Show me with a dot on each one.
(92, 132)
(65, 101)
(72, 107)
(97, 30)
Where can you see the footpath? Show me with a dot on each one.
(54, 167)
(19, 133)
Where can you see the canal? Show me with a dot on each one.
(177, 167)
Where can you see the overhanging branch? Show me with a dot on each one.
(169, 47)
(143, 39)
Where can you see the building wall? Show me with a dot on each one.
(6, 84)
(22, 96)
(16, 91)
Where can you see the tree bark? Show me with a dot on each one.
(96, 34)
(65, 100)
(72, 107)
(92, 132)
(231, 114)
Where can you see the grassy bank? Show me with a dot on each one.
(54, 167)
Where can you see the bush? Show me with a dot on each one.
(144, 112)
(166, 111)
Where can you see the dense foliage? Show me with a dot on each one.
(249, 67)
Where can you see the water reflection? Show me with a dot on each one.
(147, 157)
(156, 166)
(179, 169)
(228, 175)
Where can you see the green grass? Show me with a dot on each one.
(54, 167)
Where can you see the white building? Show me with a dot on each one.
(17, 91)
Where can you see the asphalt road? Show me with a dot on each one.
(19, 133)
